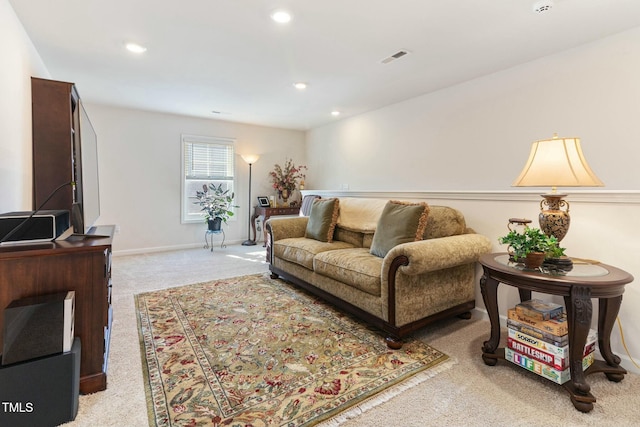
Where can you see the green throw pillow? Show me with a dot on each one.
(400, 222)
(322, 219)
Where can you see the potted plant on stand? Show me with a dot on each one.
(531, 246)
(216, 203)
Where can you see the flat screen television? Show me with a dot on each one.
(87, 203)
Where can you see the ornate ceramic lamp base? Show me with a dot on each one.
(553, 220)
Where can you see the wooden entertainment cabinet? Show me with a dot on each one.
(81, 264)
(61, 130)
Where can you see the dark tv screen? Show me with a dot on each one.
(89, 173)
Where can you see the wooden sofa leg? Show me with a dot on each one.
(466, 315)
(274, 276)
(394, 343)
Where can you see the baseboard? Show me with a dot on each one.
(140, 251)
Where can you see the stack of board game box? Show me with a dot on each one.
(538, 340)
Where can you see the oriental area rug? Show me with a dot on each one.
(252, 351)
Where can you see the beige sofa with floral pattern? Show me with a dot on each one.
(415, 283)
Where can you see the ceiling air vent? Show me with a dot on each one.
(543, 6)
(395, 56)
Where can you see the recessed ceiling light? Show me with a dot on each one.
(135, 48)
(300, 85)
(335, 113)
(281, 16)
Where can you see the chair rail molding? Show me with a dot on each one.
(600, 196)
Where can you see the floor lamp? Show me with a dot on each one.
(250, 159)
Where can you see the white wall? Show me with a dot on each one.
(20, 61)
(476, 136)
(140, 182)
(471, 141)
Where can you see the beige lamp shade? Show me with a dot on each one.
(557, 162)
(250, 158)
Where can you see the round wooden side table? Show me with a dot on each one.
(585, 281)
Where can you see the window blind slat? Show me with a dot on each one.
(208, 161)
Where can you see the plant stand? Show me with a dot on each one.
(209, 235)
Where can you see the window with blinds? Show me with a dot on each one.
(205, 160)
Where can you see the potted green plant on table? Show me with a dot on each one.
(216, 203)
(531, 246)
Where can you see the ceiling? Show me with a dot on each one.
(226, 59)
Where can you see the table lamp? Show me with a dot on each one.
(556, 162)
(250, 159)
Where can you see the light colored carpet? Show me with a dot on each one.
(469, 394)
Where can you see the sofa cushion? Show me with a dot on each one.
(307, 202)
(444, 221)
(322, 219)
(367, 239)
(400, 222)
(301, 250)
(354, 267)
(360, 214)
(350, 236)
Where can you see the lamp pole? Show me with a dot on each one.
(250, 159)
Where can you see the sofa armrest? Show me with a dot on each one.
(284, 228)
(436, 254)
